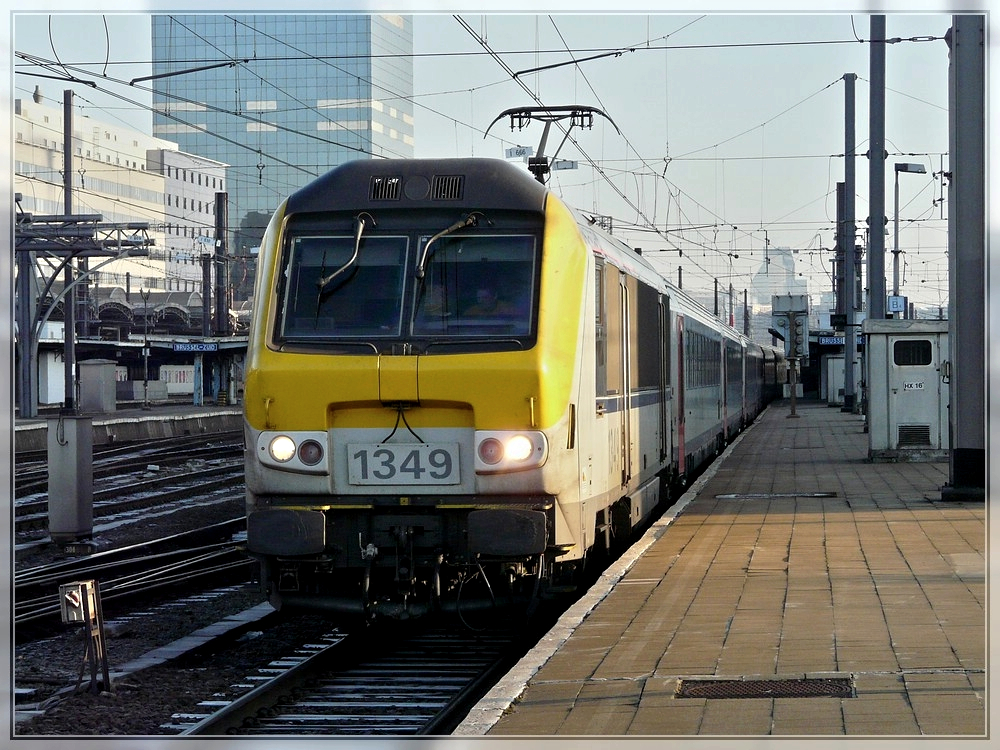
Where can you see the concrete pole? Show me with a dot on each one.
(221, 264)
(895, 237)
(27, 369)
(69, 298)
(876, 171)
(850, 255)
(967, 257)
(746, 315)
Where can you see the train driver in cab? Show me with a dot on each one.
(489, 305)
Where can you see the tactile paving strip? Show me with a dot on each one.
(800, 688)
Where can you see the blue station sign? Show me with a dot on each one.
(836, 340)
(196, 347)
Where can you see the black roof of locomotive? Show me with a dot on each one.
(421, 183)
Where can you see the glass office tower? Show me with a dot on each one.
(281, 99)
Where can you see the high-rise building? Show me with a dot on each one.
(281, 99)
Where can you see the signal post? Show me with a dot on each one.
(790, 318)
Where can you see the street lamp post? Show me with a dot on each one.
(900, 167)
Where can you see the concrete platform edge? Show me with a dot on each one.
(485, 714)
(138, 425)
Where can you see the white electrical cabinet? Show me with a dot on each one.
(908, 390)
(832, 378)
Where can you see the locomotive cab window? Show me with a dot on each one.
(482, 286)
(913, 353)
(334, 289)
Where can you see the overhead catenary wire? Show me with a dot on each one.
(604, 166)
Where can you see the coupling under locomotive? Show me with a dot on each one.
(457, 389)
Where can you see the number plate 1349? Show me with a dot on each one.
(399, 463)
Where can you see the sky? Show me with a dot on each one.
(717, 135)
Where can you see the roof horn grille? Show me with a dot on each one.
(447, 187)
(385, 188)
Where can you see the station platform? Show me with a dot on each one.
(793, 567)
(130, 423)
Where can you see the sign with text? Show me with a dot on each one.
(519, 152)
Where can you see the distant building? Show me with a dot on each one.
(777, 275)
(303, 93)
(123, 176)
(190, 186)
(110, 177)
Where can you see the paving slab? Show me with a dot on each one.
(792, 558)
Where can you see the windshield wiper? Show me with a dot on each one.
(360, 223)
(471, 220)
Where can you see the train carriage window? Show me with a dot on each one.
(329, 292)
(649, 345)
(482, 286)
(717, 353)
(734, 363)
(600, 333)
(613, 330)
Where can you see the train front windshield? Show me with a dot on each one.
(478, 289)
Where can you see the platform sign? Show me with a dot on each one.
(196, 347)
(896, 304)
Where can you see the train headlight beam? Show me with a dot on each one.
(519, 448)
(281, 448)
(498, 451)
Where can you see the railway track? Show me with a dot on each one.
(201, 558)
(361, 685)
(31, 470)
(32, 514)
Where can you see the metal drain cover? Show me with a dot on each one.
(802, 688)
(771, 495)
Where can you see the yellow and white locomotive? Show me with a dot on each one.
(453, 377)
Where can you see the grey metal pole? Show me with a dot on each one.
(144, 293)
(69, 299)
(206, 295)
(746, 315)
(895, 238)
(850, 254)
(27, 370)
(221, 280)
(876, 171)
(967, 257)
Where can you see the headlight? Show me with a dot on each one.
(303, 452)
(519, 448)
(281, 448)
(498, 452)
(310, 452)
(491, 451)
